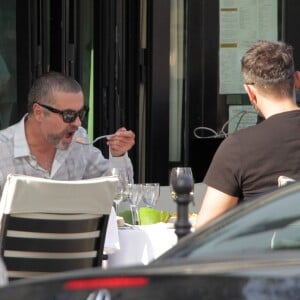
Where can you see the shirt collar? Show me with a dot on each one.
(21, 147)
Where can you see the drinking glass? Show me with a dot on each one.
(151, 193)
(177, 175)
(122, 186)
(134, 197)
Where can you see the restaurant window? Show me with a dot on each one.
(8, 70)
(240, 24)
(218, 34)
(86, 59)
(176, 120)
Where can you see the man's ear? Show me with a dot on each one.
(251, 93)
(297, 80)
(37, 111)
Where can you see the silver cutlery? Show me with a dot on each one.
(84, 141)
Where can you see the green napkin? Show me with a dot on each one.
(147, 216)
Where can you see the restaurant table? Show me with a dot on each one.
(139, 245)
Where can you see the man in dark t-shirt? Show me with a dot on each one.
(249, 161)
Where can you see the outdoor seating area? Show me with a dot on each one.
(50, 226)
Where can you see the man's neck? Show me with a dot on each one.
(39, 147)
(270, 107)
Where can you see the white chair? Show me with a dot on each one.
(52, 226)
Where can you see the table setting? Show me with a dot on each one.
(145, 232)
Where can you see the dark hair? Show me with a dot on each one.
(44, 86)
(270, 66)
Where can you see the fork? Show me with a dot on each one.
(84, 141)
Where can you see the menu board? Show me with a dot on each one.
(242, 22)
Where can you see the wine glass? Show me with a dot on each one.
(151, 193)
(134, 197)
(177, 176)
(122, 186)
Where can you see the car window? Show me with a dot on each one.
(274, 226)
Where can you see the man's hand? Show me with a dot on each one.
(121, 142)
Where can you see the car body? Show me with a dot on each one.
(238, 280)
(252, 252)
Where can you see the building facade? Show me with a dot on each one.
(165, 69)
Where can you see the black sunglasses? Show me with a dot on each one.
(68, 115)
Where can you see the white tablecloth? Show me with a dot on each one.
(142, 244)
(112, 243)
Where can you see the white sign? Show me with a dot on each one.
(242, 22)
(241, 116)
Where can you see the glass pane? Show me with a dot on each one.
(176, 79)
(262, 230)
(86, 59)
(8, 70)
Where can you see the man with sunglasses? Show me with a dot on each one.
(43, 143)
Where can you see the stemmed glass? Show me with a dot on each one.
(122, 186)
(177, 176)
(151, 194)
(134, 197)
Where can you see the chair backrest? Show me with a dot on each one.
(52, 226)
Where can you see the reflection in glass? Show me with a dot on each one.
(8, 70)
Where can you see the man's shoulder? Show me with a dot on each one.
(7, 133)
(245, 131)
(245, 135)
(15, 131)
(236, 143)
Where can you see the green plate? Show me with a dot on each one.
(150, 215)
(147, 216)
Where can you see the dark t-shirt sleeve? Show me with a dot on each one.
(223, 173)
